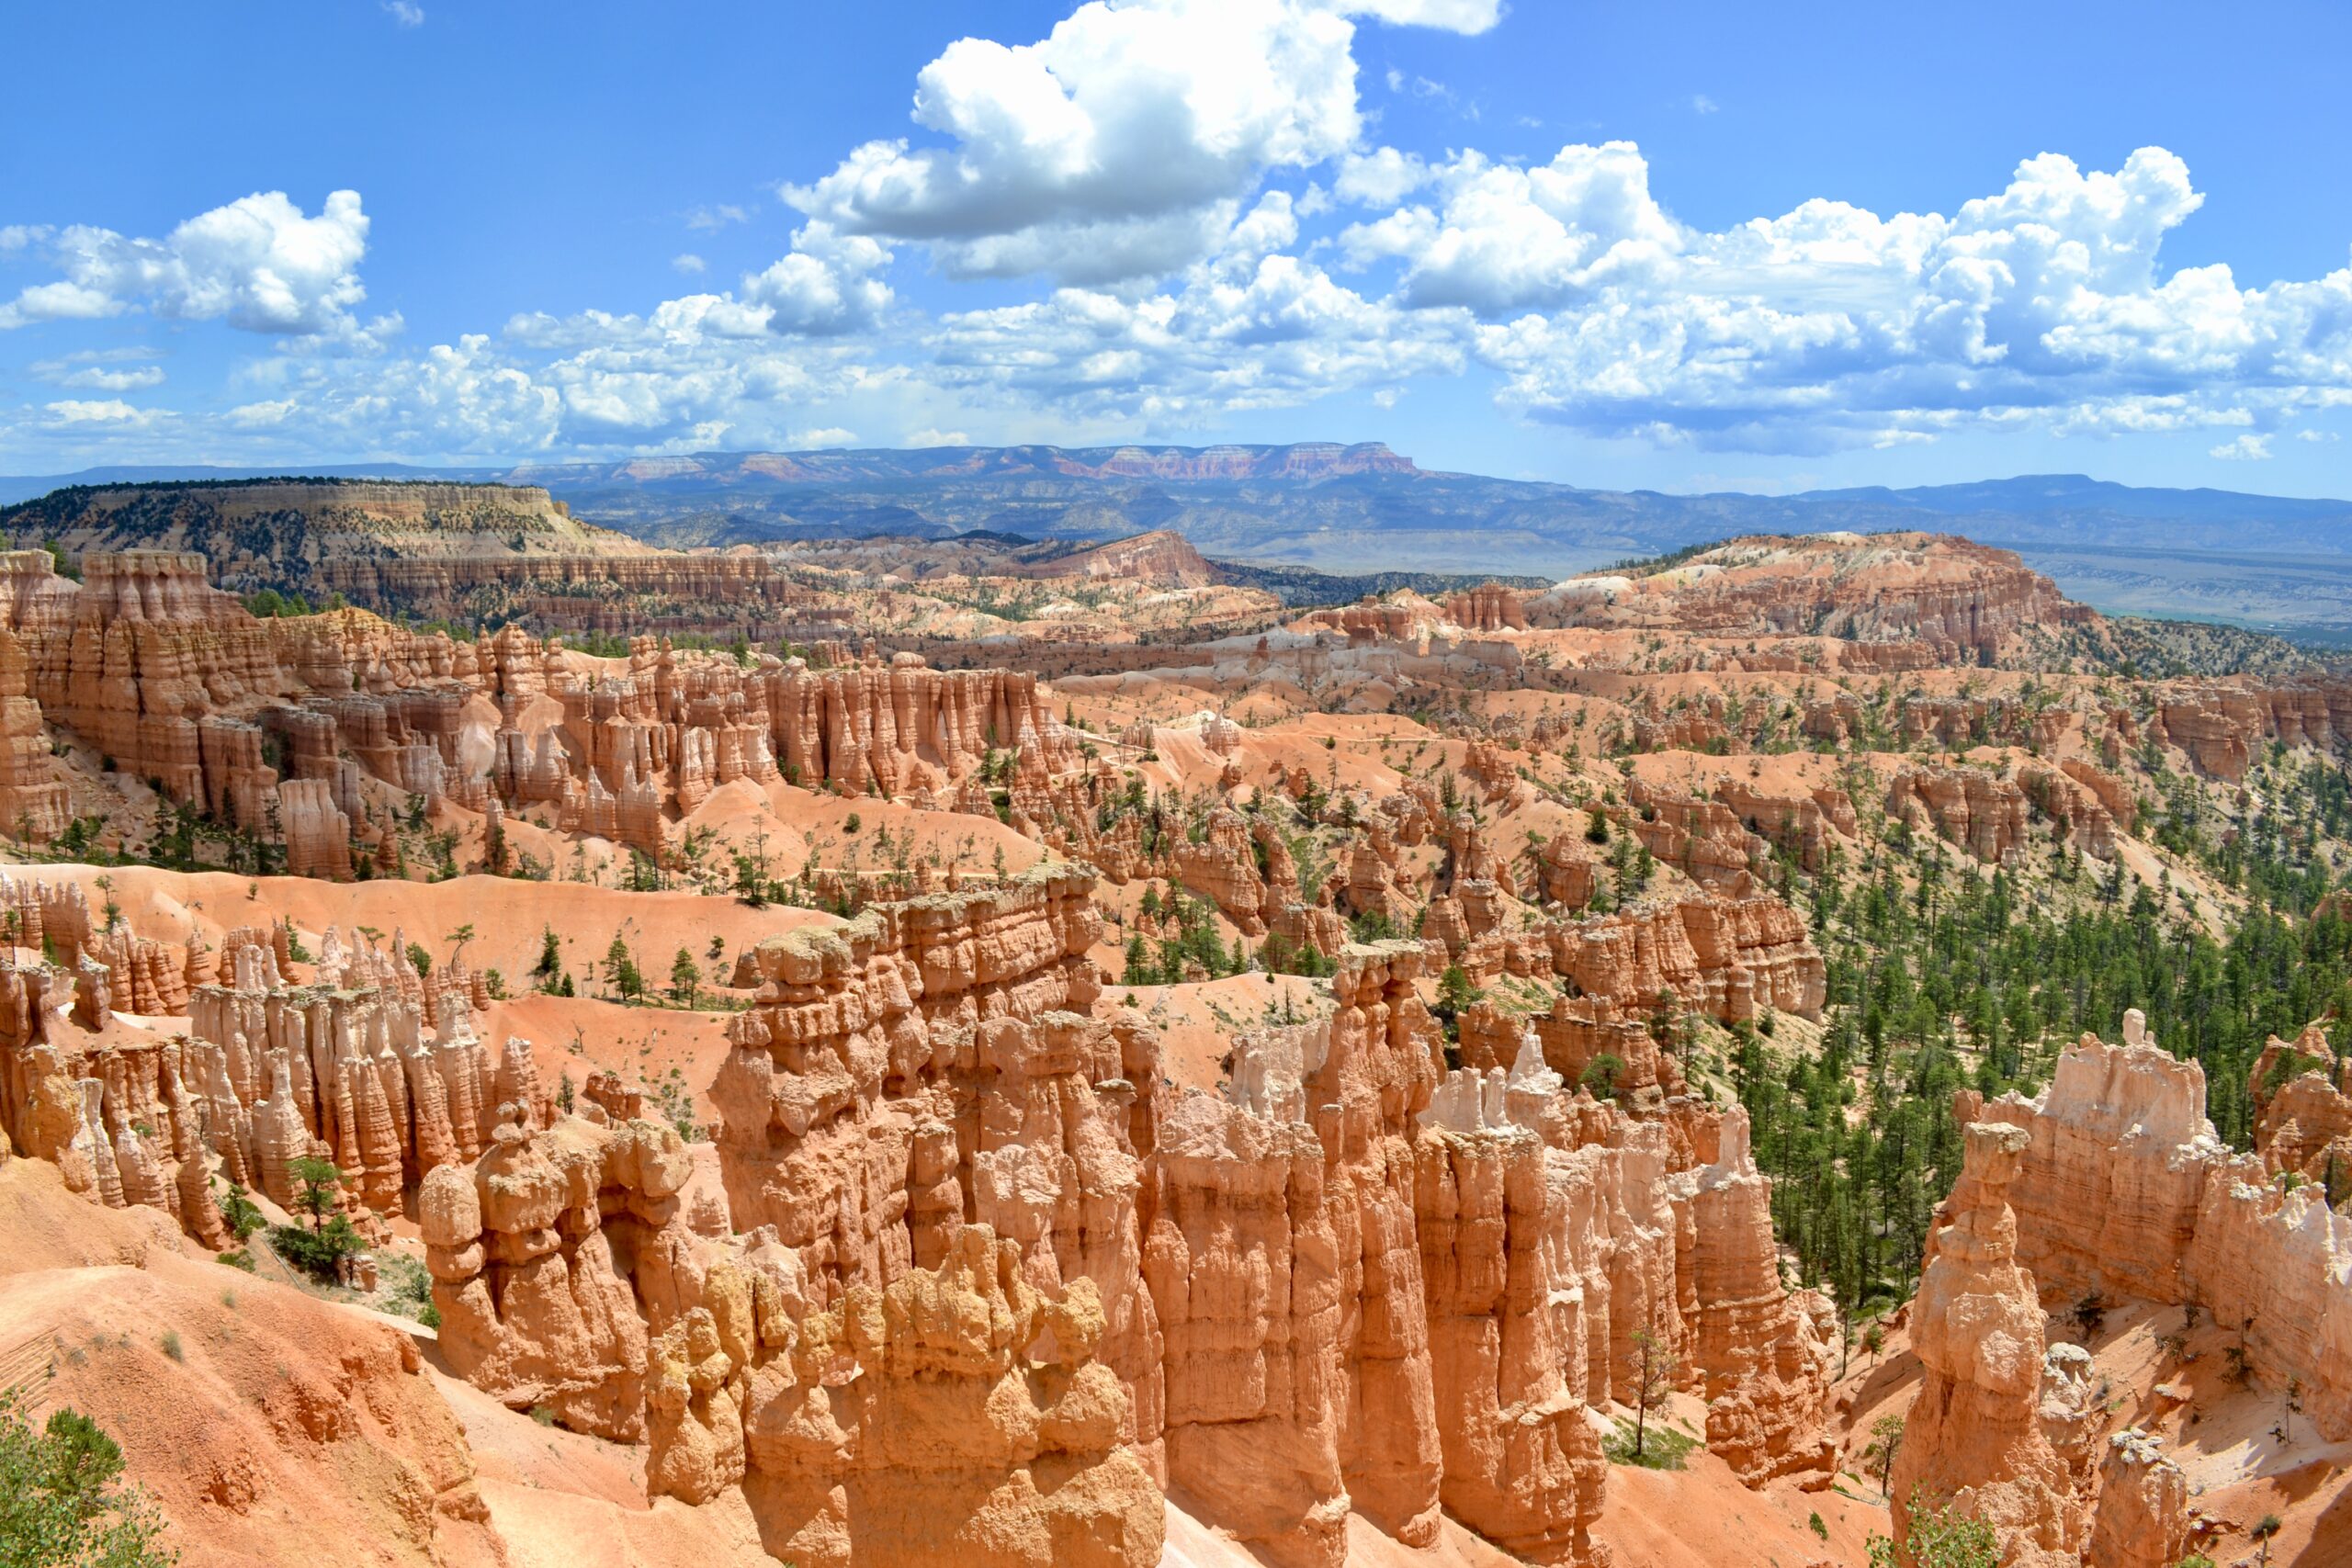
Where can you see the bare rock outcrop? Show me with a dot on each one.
(974, 1426)
(2108, 1195)
(1982, 812)
(1765, 1352)
(1490, 607)
(1731, 958)
(538, 1306)
(1703, 840)
(2303, 1114)
(2142, 1515)
(1522, 1463)
(2123, 1190)
(1959, 599)
(1972, 1440)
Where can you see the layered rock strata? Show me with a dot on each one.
(2123, 1190)
(995, 1284)
(1972, 1440)
(310, 730)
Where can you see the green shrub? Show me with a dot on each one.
(1663, 1448)
(317, 1253)
(1938, 1537)
(241, 1213)
(61, 1503)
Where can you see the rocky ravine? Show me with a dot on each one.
(974, 1259)
(2112, 1189)
(975, 1279)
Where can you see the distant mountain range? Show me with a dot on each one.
(2276, 563)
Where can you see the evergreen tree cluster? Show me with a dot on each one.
(1940, 981)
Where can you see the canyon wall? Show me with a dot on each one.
(2126, 1191)
(316, 731)
(1973, 1437)
(985, 1282)
(2112, 1185)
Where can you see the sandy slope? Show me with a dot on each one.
(508, 916)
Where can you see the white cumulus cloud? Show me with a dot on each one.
(258, 263)
(1830, 325)
(105, 411)
(1112, 148)
(827, 286)
(1505, 237)
(1167, 176)
(1381, 177)
(1451, 15)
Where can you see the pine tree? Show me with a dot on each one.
(1653, 1380)
(620, 970)
(63, 1503)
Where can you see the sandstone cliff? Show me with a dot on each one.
(1973, 1438)
(2123, 1190)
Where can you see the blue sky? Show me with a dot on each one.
(1681, 246)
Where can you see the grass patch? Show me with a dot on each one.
(410, 1290)
(1663, 1448)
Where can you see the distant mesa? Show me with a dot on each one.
(2268, 562)
(1300, 460)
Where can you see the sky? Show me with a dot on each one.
(1679, 246)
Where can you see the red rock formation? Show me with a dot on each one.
(1765, 1353)
(976, 1427)
(1956, 723)
(2107, 1197)
(1729, 958)
(2125, 1191)
(1359, 1286)
(1307, 927)
(1243, 1266)
(154, 585)
(1982, 812)
(1222, 867)
(318, 835)
(2079, 811)
(1370, 887)
(1566, 871)
(2302, 1116)
(1807, 824)
(535, 1307)
(172, 681)
(1522, 1465)
(2218, 722)
(2142, 1515)
(1490, 607)
(1971, 1436)
(1407, 618)
(1575, 1034)
(2123, 805)
(1161, 556)
(266, 1074)
(33, 804)
(1701, 839)
(1957, 597)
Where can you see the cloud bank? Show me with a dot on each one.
(1188, 203)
